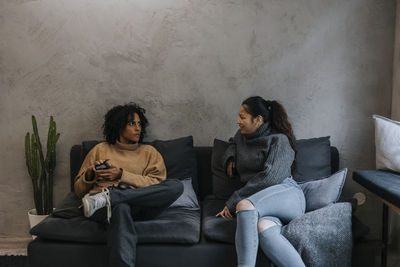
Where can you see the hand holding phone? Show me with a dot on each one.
(107, 171)
(103, 166)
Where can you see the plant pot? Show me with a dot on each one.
(35, 219)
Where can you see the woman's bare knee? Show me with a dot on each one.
(264, 224)
(245, 205)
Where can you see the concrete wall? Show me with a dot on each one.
(190, 63)
(396, 69)
(394, 218)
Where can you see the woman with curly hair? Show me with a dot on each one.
(123, 177)
(262, 153)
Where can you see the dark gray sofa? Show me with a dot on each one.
(181, 237)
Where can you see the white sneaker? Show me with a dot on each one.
(92, 203)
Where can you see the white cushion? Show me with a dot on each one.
(387, 143)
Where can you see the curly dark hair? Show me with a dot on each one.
(117, 118)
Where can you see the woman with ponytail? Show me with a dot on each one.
(262, 154)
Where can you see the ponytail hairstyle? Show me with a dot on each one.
(274, 112)
(281, 124)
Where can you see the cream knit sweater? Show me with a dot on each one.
(142, 165)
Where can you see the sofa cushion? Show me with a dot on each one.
(74, 229)
(87, 146)
(223, 187)
(322, 237)
(322, 192)
(385, 184)
(387, 143)
(66, 224)
(174, 225)
(217, 228)
(313, 159)
(179, 158)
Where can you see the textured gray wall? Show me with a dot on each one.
(394, 218)
(190, 63)
(396, 69)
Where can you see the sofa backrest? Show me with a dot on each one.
(203, 155)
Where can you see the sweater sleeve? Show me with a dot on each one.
(154, 173)
(277, 165)
(81, 185)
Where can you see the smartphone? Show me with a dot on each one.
(102, 166)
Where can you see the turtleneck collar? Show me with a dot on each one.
(130, 147)
(263, 130)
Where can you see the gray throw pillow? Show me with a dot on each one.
(322, 192)
(188, 199)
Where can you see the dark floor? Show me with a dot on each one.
(367, 254)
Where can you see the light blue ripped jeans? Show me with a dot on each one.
(279, 203)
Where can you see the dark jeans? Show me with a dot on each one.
(129, 205)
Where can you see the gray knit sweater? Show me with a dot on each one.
(262, 159)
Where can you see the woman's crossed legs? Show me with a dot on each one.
(259, 222)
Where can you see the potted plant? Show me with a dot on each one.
(41, 170)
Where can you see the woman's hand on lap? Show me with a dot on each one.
(225, 213)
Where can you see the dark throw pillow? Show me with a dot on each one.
(223, 186)
(179, 158)
(313, 159)
(322, 192)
